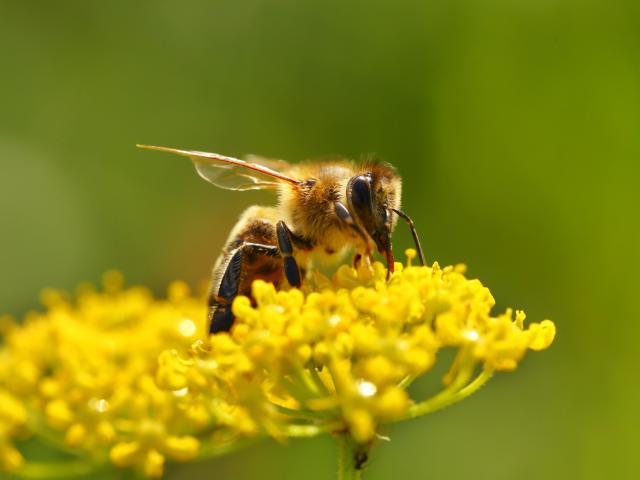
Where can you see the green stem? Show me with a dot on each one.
(407, 381)
(51, 470)
(318, 381)
(312, 430)
(305, 414)
(447, 397)
(208, 450)
(307, 381)
(37, 425)
(351, 458)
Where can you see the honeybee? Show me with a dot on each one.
(324, 210)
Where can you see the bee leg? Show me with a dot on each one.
(220, 314)
(291, 270)
(343, 213)
(221, 317)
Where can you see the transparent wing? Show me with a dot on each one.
(231, 173)
(228, 177)
(273, 163)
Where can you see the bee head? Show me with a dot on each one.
(371, 198)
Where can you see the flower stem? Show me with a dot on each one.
(351, 458)
(53, 439)
(447, 397)
(50, 470)
(208, 450)
(296, 430)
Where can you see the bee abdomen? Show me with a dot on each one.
(251, 253)
(230, 282)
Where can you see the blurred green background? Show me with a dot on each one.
(514, 123)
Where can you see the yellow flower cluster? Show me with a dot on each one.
(339, 355)
(84, 376)
(121, 378)
(12, 420)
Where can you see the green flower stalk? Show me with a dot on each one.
(120, 378)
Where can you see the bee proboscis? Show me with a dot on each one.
(325, 209)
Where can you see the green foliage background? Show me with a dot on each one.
(515, 124)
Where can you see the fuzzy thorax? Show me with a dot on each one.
(309, 210)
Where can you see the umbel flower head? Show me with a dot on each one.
(127, 380)
(339, 355)
(81, 377)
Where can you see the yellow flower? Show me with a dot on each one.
(12, 420)
(121, 377)
(85, 370)
(339, 355)
(151, 444)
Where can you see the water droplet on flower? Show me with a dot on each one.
(187, 327)
(367, 389)
(209, 364)
(471, 335)
(99, 405)
(334, 320)
(181, 393)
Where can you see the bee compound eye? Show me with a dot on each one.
(361, 192)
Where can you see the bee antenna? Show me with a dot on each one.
(414, 233)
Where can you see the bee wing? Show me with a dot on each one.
(231, 173)
(276, 164)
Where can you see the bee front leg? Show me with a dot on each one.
(291, 269)
(220, 314)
